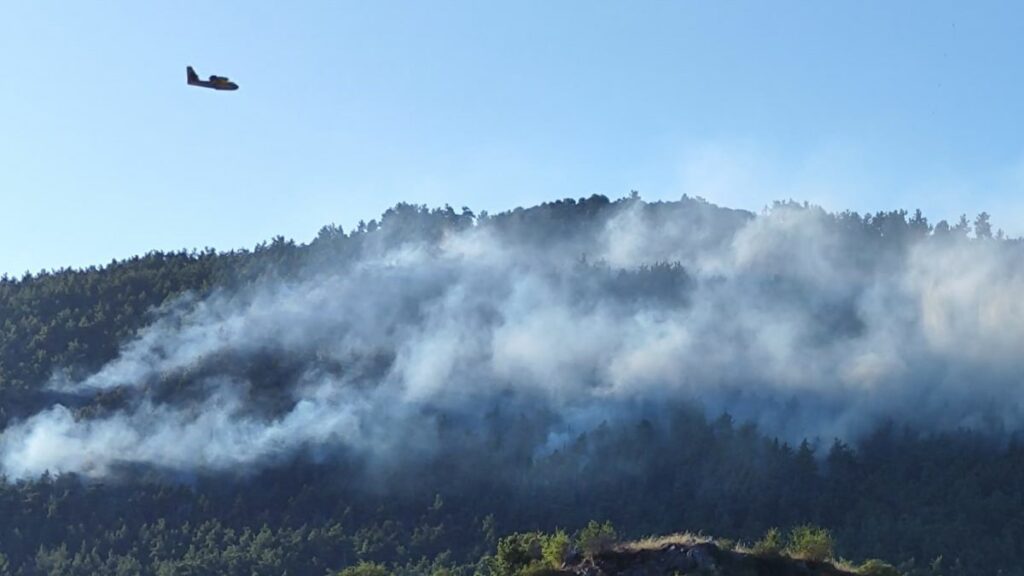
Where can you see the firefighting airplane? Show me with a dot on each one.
(215, 82)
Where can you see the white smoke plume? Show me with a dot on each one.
(788, 319)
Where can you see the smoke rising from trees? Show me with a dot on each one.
(388, 343)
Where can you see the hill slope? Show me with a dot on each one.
(426, 383)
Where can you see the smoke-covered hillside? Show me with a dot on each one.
(809, 324)
(540, 367)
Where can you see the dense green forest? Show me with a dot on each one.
(944, 498)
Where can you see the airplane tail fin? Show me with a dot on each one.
(192, 76)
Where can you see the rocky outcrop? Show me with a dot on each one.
(695, 558)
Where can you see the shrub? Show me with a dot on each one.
(556, 548)
(365, 569)
(810, 543)
(769, 545)
(877, 568)
(517, 552)
(597, 537)
(538, 569)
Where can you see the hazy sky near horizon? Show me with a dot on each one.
(347, 108)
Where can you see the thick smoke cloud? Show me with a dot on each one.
(790, 319)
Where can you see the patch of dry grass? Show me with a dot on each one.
(657, 542)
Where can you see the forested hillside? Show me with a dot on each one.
(410, 392)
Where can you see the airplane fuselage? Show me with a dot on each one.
(215, 82)
(228, 85)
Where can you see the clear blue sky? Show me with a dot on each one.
(346, 108)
